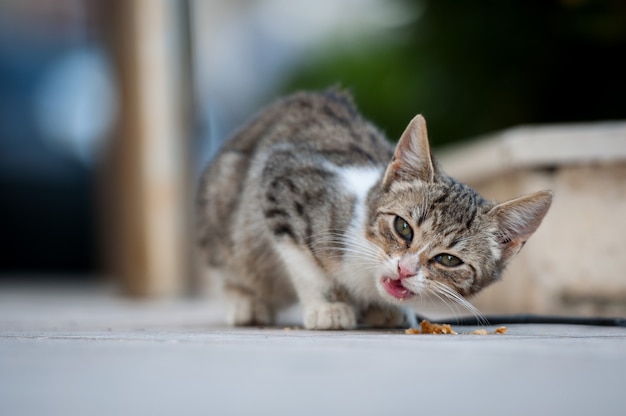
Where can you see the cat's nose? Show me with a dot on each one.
(405, 272)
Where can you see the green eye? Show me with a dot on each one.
(448, 260)
(403, 229)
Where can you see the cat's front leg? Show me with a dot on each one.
(316, 290)
(329, 315)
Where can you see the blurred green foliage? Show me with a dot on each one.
(475, 66)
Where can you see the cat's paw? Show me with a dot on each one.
(336, 315)
(384, 317)
(245, 310)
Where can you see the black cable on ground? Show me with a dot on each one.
(529, 319)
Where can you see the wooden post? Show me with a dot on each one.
(148, 165)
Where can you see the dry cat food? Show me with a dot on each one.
(430, 328)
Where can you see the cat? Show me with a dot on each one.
(309, 202)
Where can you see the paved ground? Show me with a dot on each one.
(73, 351)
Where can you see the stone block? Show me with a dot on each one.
(576, 262)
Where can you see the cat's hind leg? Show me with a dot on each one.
(243, 306)
(244, 309)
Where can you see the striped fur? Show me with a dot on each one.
(303, 205)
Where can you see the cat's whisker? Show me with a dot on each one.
(435, 298)
(459, 300)
(364, 268)
(357, 257)
(446, 301)
(351, 246)
(424, 297)
(364, 251)
(355, 253)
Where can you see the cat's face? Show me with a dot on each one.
(437, 237)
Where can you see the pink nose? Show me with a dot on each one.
(404, 271)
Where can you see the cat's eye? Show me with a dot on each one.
(448, 260)
(403, 229)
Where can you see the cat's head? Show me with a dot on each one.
(438, 235)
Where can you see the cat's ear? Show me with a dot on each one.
(518, 219)
(412, 159)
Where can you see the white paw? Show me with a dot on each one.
(337, 315)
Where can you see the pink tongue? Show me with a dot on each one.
(395, 289)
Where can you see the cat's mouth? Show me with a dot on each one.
(396, 289)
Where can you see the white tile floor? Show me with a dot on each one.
(73, 351)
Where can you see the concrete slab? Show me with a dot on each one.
(71, 352)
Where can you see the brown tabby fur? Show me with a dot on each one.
(304, 204)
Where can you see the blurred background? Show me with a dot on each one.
(109, 110)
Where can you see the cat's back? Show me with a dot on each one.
(326, 122)
(323, 125)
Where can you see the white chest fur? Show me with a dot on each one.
(361, 257)
(359, 181)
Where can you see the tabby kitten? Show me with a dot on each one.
(310, 203)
